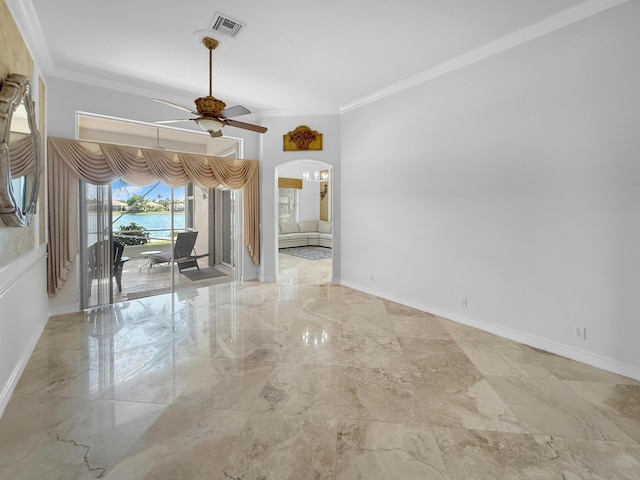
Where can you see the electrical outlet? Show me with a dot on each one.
(579, 332)
(463, 302)
(371, 278)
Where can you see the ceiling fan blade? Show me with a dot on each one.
(216, 133)
(173, 121)
(234, 111)
(175, 105)
(246, 126)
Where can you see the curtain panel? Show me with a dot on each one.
(21, 157)
(100, 163)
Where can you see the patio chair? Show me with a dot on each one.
(183, 252)
(95, 256)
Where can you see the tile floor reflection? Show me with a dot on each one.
(306, 380)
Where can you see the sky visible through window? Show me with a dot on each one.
(122, 191)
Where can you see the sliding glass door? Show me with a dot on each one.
(224, 212)
(96, 245)
(132, 238)
(127, 238)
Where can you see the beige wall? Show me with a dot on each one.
(14, 58)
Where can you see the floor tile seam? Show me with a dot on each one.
(519, 377)
(201, 405)
(278, 413)
(132, 374)
(568, 383)
(409, 423)
(211, 408)
(96, 399)
(540, 396)
(605, 411)
(570, 412)
(435, 340)
(131, 402)
(368, 335)
(53, 395)
(563, 408)
(139, 402)
(231, 367)
(381, 369)
(564, 437)
(57, 353)
(57, 394)
(249, 329)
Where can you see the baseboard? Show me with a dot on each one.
(567, 351)
(249, 278)
(63, 309)
(11, 385)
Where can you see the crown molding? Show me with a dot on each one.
(124, 87)
(550, 24)
(27, 21)
(307, 112)
(24, 15)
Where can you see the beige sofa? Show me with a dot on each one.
(307, 232)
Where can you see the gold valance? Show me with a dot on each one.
(290, 183)
(101, 163)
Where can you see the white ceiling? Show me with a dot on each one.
(292, 55)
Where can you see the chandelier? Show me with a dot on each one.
(317, 177)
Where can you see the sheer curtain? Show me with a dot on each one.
(100, 163)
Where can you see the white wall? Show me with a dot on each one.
(272, 157)
(513, 182)
(67, 97)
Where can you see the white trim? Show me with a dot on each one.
(24, 15)
(11, 385)
(31, 263)
(14, 272)
(64, 309)
(544, 27)
(306, 112)
(567, 351)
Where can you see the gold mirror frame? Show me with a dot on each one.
(19, 153)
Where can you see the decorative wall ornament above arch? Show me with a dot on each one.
(302, 138)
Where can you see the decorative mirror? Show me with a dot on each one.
(19, 152)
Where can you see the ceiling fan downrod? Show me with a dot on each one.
(211, 44)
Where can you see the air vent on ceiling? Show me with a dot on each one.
(223, 24)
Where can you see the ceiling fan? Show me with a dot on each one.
(211, 112)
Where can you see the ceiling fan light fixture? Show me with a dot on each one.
(209, 124)
(213, 112)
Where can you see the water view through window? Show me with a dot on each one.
(147, 210)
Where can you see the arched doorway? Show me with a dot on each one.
(304, 218)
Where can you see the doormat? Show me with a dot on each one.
(202, 273)
(309, 252)
(179, 288)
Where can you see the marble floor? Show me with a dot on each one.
(302, 379)
(138, 277)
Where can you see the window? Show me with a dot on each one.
(189, 207)
(288, 200)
